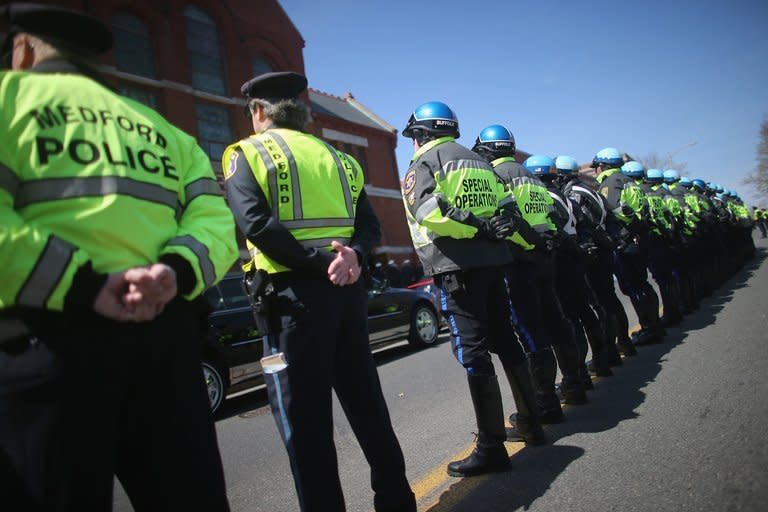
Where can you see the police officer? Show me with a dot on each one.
(625, 200)
(458, 215)
(112, 225)
(660, 239)
(682, 251)
(761, 219)
(568, 278)
(528, 277)
(594, 222)
(301, 205)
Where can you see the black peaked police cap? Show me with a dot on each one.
(59, 26)
(275, 86)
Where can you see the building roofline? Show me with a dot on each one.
(303, 42)
(365, 110)
(350, 100)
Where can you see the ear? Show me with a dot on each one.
(23, 56)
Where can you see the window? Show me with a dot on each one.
(213, 132)
(147, 97)
(133, 45)
(204, 48)
(261, 66)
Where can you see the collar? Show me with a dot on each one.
(59, 65)
(502, 160)
(606, 173)
(429, 145)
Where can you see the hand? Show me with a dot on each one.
(344, 269)
(150, 288)
(503, 226)
(109, 300)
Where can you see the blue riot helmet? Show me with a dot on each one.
(686, 182)
(566, 165)
(431, 120)
(698, 184)
(609, 157)
(671, 176)
(539, 165)
(495, 141)
(633, 169)
(719, 188)
(654, 176)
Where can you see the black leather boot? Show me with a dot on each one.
(609, 355)
(526, 424)
(489, 454)
(598, 340)
(568, 360)
(544, 372)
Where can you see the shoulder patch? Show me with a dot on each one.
(232, 166)
(411, 198)
(604, 191)
(410, 181)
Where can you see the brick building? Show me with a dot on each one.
(188, 58)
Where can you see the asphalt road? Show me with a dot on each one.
(680, 427)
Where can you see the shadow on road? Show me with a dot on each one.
(533, 470)
(614, 400)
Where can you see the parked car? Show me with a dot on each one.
(234, 346)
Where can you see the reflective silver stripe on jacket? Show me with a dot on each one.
(53, 189)
(203, 258)
(426, 208)
(462, 163)
(343, 179)
(8, 180)
(49, 269)
(295, 188)
(595, 198)
(570, 226)
(271, 174)
(201, 187)
(318, 223)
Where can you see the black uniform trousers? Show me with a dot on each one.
(578, 299)
(85, 401)
(600, 274)
(532, 291)
(477, 307)
(324, 336)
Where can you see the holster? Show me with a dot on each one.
(452, 282)
(262, 295)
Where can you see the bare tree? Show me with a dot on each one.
(758, 177)
(654, 161)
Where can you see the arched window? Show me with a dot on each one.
(133, 45)
(261, 66)
(204, 49)
(213, 131)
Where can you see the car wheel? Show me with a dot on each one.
(214, 384)
(424, 326)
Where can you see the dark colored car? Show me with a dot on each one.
(234, 346)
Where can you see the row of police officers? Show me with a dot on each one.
(533, 249)
(113, 224)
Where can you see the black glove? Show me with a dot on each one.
(484, 228)
(503, 226)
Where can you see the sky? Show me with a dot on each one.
(678, 77)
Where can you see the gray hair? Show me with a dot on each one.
(291, 113)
